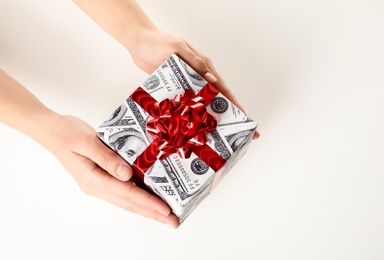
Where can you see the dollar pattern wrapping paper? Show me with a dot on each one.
(181, 183)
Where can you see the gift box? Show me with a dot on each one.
(180, 135)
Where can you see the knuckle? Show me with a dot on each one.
(179, 44)
(106, 161)
(127, 201)
(85, 139)
(129, 206)
(198, 61)
(90, 137)
(207, 59)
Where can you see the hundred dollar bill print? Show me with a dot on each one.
(182, 183)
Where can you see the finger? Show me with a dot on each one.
(197, 63)
(225, 90)
(128, 196)
(256, 135)
(219, 84)
(107, 159)
(170, 219)
(203, 66)
(101, 184)
(136, 200)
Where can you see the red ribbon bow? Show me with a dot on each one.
(179, 126)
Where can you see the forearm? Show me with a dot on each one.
(122, 19)
(20, 109)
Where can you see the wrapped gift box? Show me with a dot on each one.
(178, 153)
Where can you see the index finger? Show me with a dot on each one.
(220, 84)
(123, 194)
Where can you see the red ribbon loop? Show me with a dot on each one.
(179, 126)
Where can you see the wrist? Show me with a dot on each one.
(41, 125)
(134, 36)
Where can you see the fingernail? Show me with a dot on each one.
(123, 172)
(209, 77)
(173, 226)
(165, 213)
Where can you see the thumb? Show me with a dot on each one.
(109, 160)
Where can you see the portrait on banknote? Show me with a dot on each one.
(116, 116)
(129, 143)
(237, 139)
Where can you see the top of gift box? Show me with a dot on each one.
(129, 131)
(171, 78)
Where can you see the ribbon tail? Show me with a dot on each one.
(208, 92)
(142, 98)
(209, 156)
(145, 161)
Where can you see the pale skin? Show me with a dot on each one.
(98, 170)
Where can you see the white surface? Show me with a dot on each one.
(311, 74)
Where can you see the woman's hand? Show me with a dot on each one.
(151, 47)
(98, 170)
(125, 21)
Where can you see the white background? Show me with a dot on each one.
(309, 72)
